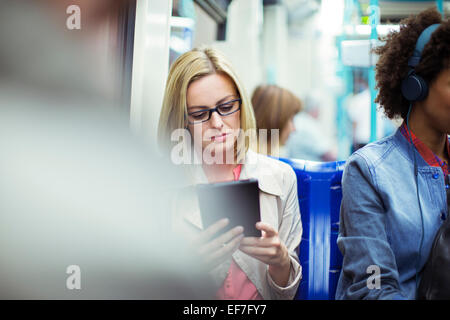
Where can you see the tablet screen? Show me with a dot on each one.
(236, 200)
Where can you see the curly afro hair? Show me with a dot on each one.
(392, 66)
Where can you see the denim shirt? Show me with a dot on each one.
(380, 219)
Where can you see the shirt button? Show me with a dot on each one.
(436, 175)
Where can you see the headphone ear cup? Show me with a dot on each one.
(424, 86)
(413, 87)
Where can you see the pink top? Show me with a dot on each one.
(237, 286)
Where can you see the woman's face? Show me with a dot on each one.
(219, 133)
(437, 103)
(287, 130)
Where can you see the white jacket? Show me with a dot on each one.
(279, 208)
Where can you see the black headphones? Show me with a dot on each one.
(414, 87)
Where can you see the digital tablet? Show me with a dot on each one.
(236, 200)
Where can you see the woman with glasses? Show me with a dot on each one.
(205, 99)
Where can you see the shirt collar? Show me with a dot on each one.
(426, 153)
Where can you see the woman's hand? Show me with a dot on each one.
(216, 251)
(270, 250)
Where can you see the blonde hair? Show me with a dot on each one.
(191, 66)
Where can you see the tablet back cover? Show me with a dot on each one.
(236, 200)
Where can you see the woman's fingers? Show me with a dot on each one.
(271, 256)
(269, 237)
(258, 251)
(208, 233)
(269, 231)
(268, 248)
(261, 242)
(221, 240)
(226, 250)
(265, 255)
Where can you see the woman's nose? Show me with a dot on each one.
(216, 120)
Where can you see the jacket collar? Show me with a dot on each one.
(407, 150)
(255, 168)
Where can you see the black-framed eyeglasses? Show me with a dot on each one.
(223, 109)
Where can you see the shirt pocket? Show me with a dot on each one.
(436, 190)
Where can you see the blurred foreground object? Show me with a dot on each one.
(76, 188)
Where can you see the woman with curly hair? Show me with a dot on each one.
(394, 190)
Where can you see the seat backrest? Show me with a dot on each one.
(319, 194)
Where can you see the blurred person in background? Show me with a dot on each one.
(84, 205)
(275, 108)
(359, 107)
(307, 142)
(205, 99)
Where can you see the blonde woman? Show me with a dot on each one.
(275, 108)
(205, 98)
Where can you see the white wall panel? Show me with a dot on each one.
(150, 64)
(243, 44)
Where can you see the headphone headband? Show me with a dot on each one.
(420, 44)
(414, 87)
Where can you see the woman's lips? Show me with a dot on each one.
(220, 138)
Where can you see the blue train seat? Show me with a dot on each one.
(319, 194)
